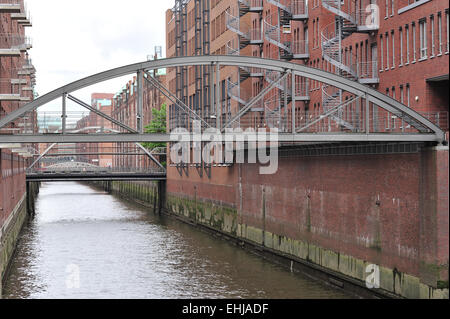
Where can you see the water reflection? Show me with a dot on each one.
(84, 243)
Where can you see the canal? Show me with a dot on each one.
(84, 243)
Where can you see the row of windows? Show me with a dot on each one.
(316, 33)
(404, 94)
(218, 26)
(415, 44)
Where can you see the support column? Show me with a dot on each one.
(218, 107)
(293, 102)
(161, 196)
(140, 103)
(64, 114)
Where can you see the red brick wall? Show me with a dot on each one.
(365, 206)
(12, 182)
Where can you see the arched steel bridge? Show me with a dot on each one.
(419, 128)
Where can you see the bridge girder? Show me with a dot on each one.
(428, 130)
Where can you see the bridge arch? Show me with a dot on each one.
(422, 124)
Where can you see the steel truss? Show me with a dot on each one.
(426, 130)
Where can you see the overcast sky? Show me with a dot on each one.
(77, 38)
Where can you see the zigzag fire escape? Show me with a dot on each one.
(349, 20)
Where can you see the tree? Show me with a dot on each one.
(157, 125)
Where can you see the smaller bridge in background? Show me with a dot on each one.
(77, 171)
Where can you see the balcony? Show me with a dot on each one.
(246, 34)
(10, 6)
(9, 91)
(367, 19)
(12, 44)
(300, 49)
(293, 10)
(367, 72)
(363, 15)
(299, 9)
(22, 14)
(246, 6)
(302, 89)
(25, 22)
(276, 36)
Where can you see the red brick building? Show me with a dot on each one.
(94, 123)
(338, 213)
(124, 110)
(383, 43)
(17, 80)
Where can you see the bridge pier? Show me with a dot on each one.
(161, 196)
(31, 193)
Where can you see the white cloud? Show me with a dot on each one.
(76, 38)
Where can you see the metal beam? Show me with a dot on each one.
(88, 154)
(294, 125)
(250, 104)
(150, 155)
(218, 108)
(101, 114)
(64, 113)
(140, 103)
(165, 138)
(327, 114)
(173, 98)
(42, 155)
(379, 99)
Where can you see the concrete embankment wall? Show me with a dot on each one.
(144, 193)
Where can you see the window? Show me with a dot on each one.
(408, 98)
(314, 33)
(407, 43)
(381, 53)
(402, 99)
(413, 25)
(387, 51)
(392, 7)
(446, 19)
(432, 34)
(393, 49)
(318, 33)
(400, 31)
(423, 38)
(387, 9)
(440, 32)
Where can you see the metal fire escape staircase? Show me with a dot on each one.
(332, 35)
(273, 34)
(246, 6)
(250, 36)
(296, 10)
(247, 36)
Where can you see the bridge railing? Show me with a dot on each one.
(94, 170)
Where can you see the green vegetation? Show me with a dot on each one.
(157, 125)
